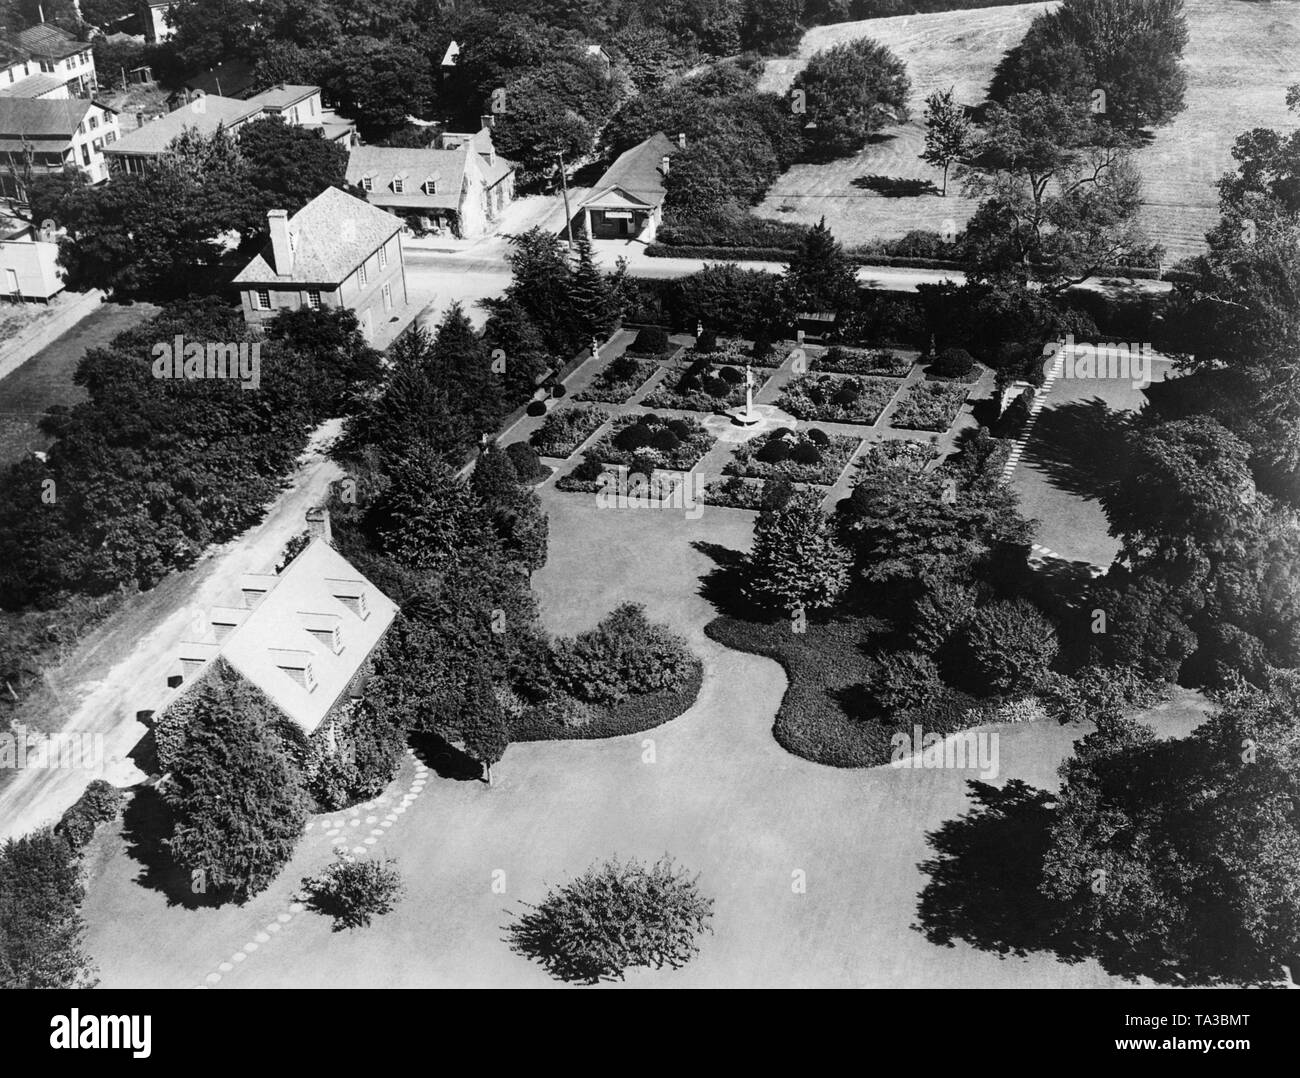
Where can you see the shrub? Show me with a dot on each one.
(665, 440)
(612, 918)
(354, 892)
(898, 680)
(730, 374)
(943, 611)
(100, 803)
(805, 453)
(525, 460)
(796, 561)
(624, 655)
(953, 363)
(762, 347)
(707, 342)
(558, 390)
(820, 437)
(651, 340)
(774, 451)
(634, 437)
(681, 428)
(844, 396)
(716, 387)
(622, 369)
(1010, 646)
(567, 429)
(535, 408)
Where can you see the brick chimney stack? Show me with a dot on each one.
(318, 524)
(277, 222)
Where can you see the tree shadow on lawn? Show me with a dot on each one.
(445, 759)
(146, 825)
(895, 186)
(1080, 445)
(721, 585)
(985, 874)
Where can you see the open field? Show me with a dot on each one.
(1239, 61)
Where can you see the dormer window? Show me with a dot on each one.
(399, 184)
(430, 186)
(297, 664)
(325, 629)
(352, 594)
(367, 183)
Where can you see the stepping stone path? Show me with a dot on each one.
(332, 828)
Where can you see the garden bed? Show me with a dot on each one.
(822, 716)
(798, 456)
(833, 398)
(566, 429)
(619, 380)
(739, 352)
(930, 406)
(675, 444)
(880, 362)
(631, 716)
(906, 454)
(703, 387)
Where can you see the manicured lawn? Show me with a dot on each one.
(46, 378)
(712, 787)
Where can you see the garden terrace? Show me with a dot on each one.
(811, 456)
(676, 444)
(566, 429)
(706, 385)
(930, 406)
(740, 352)
(840, 360)
(832, 398)
(619, 380)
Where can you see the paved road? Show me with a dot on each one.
(121, 668)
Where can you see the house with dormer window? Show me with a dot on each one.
(303, 636)
(458, 185)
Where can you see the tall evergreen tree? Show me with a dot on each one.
(236, 796)
(591, 299)
(820, 276)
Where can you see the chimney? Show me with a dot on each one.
(277, 221)
(681, 140)
(487, 121)
(318, 524)
(663, 164)
(139, 118)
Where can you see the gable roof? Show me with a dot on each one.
(282, 96)
(50, 42)
(34, 118)
(205, 113)
(382, 163)
(291, 627)
(636, 172)
(33, 86)
(331, 235)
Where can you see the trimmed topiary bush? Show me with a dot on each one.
(953, 363)
(664, 439)
(730, 374)
(680, 428)
(707, 342)
(818, 436)
(651, 340)
(535, 408)
(635, 437)
(775, 450)
(716, 387)
(806, 453)
(527, 464)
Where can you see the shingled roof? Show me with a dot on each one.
(638, 171)
(43, 120)
(331, 236)
(204, 114)
(383, 163)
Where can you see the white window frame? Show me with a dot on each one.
(363, 278)
(263, 298)
(383, 257)
(313, 299)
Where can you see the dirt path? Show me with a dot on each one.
(121, 667)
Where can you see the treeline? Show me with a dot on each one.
(150, 470)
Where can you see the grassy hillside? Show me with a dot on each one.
(1239, 61)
